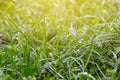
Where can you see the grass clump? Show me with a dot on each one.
(59, 40)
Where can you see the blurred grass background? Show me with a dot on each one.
(59, 39)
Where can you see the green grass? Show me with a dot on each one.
(59, 40)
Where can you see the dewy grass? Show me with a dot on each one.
(59, 40)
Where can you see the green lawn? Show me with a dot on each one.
(59, 40)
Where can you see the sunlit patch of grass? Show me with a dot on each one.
(59, 39)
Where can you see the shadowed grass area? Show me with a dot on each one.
(59, 40)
